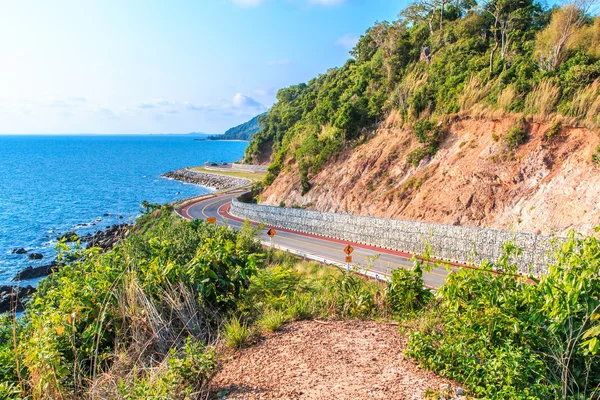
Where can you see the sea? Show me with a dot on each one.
(50, 185)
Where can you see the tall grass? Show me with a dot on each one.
(585, 105)
(542, 100)
(474, 92)
(506, 98)
(236, 333)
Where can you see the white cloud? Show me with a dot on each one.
(348, 41)
(244, 102)
(248, 3)
(283, 61)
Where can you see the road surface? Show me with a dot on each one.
(318, 246)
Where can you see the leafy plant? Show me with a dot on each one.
(236, 333)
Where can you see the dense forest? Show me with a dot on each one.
(437, 60)
(245, 131)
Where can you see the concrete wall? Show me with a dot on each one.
(460, 244)
(248, 167)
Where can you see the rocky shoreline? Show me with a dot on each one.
(213, 181)
(14, 297)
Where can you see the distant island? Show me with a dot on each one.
(244, 131)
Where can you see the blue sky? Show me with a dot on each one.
(141, 66)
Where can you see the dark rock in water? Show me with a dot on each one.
(18, 251)
(36, 256)
(107, 238)
(106, 215)
(69, 237)
(14, 297)
(36, 272)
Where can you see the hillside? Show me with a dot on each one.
(245, 131)
(483, 115)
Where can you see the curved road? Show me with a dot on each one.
(318, 247)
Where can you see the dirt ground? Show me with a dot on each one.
(326, 360)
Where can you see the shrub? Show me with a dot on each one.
(236, 333)
(406, 292)
(517, 135)
(505, 338)
(414, 157)
(596, 156)
(554, 131)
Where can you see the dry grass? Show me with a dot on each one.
(586, 105)
(253, 176)
(541, 101)
(473, 93)
(506, 98)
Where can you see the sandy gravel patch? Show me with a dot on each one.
(325, 360)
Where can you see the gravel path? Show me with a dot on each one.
(326, 360)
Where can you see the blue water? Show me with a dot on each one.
(53, 184)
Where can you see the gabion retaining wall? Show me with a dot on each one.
(248, 167)
(460, 244)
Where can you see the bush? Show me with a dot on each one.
(236, 333)
(506, 338)
(596, 156)
(406, 291)
(554, 131)
(517, 135)
(129, 308)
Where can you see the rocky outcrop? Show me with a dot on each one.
(36, 256)
(107, 239)
(18, 251)
(36, 272)
(14, 297)
(213, 181)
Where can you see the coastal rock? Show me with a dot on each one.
(18, 251)
(14, 296)
(214, 181)
(108, 238)
(36, 272)
(69, 237)
(36, 256)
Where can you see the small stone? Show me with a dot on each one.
(36, 256)
(19, 251)
(460, 391)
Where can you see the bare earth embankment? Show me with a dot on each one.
(544, 186)
(325, 360)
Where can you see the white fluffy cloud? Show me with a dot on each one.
(244, 102)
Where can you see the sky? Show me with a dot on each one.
(145, 66)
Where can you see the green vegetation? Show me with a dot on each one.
(596, 156)
(506, 338)
(554, 131)
(142, 321)
(135, 322)
(438, 59)
(517, 135)
(245, 131)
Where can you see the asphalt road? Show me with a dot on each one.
(380, 261)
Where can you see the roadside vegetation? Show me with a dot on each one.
(438, 61)
(151, 318)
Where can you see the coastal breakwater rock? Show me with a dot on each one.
(213, 181)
